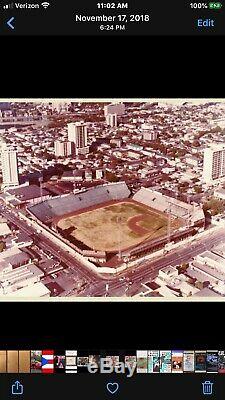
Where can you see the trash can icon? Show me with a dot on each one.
(207, 387)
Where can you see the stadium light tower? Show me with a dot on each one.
(106, 289)
(74, 181)
(119, 236)
(169, 224)
(189, 215)
(41, 188)
(118, 220)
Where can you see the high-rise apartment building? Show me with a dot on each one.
(214, 162)
(114, 108)
(77, 133)
(63, 149)
(10, 175)
(111, 120)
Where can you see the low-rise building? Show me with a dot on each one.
(31, 194)
(219, 193)
(37, 290)
(206, 292)
(13, 257)
(13, 279)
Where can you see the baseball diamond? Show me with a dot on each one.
(117, 226)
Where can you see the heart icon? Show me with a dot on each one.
(112, 387)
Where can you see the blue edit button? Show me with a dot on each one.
(205, 23)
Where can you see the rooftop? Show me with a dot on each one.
(209, 271)
(36, 290)
(206, 292)
(216, 146)
(197, 274)
(25, 193)
(213, 257)
(4, 229)
(13, 256)
(220, 191)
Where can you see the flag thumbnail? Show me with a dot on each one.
(177, 361)
(47, 362)
(153, 361)
(71, 361)
(200, 361)
(165, 361)
(189, 361)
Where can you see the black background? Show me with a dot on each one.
(112, 67)
(112, 325)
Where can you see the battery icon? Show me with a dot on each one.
(215, 6)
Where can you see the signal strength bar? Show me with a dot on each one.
(8, 6)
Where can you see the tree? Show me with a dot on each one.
(214, 206)
(111, 177)
(197, 189)
(2, 246)
(182, 268)
(196, 143)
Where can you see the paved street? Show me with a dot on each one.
(127, 283)
(47, 244)
(149, 270)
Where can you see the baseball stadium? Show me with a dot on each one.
(107, 224)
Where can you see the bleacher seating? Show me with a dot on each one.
(178, 211)
(66, 204)
(151, 198)
(163, 203)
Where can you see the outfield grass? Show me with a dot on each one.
(112, 228)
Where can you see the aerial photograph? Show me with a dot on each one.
(112, 198)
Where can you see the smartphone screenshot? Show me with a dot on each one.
(112, 204)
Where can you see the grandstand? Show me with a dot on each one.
(105, 223)
(61, 205)
(152, 199)
(166, 204)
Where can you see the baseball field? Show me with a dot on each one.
(117, 226)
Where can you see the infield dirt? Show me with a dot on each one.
(118, 226)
